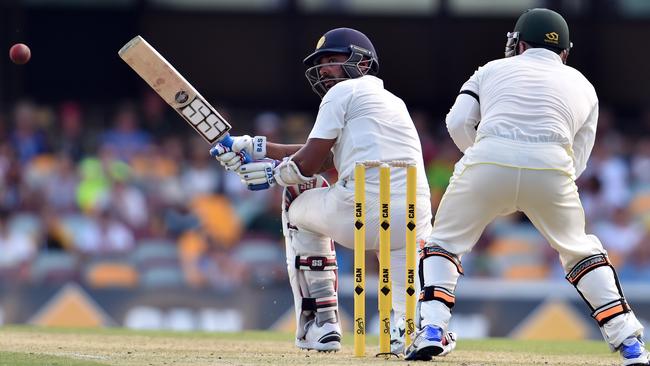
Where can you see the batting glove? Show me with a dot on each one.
(258, 175)
(233, 156)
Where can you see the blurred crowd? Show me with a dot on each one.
(127, 195)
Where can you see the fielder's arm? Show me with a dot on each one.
(583, 141)
(462, 121)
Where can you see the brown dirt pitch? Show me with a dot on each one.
(28, 346)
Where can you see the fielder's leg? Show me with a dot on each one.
(465, 210)
(550, 200)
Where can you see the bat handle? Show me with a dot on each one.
(227, 141)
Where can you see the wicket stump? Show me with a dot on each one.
(385, 291)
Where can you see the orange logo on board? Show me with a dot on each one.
(552, 37)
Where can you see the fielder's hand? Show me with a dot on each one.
(232, 157)
(258, 175)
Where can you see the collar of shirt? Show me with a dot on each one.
(374, 79)
(542, 53)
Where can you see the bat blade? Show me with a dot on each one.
(174, 89)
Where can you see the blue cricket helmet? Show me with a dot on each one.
(362, 57)
(344, 40)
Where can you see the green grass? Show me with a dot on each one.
(32, 346)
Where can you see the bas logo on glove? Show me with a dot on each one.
(260, 146)
(259, 174)
(269, 175)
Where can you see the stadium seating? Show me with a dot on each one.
(157, 262)
(640, 204)
(265, 259)
(54, 267)
(162, 277)
(517, 258)
(75, 224)
(154, 252)
(218, 218)
(111, 274)
(26, 223)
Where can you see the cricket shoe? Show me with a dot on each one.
(323, 338)
(633, 352)
(397, 336)
(397, 340)
(428, 342)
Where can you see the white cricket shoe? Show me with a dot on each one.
(397, 339)
(633, 352)
(326, 337)
(428, 342)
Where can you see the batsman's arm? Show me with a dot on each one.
(328, 163)
(315, 156)
(305, 160)
(280, 151)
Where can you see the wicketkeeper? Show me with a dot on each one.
(526, 124)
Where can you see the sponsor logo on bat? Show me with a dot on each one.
(181, 97)
(204, 121)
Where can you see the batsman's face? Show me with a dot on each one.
(330, 70)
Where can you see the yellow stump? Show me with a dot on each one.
(411, 250)
(359, 260)
(385, 298)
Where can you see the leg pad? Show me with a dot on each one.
(439, 294)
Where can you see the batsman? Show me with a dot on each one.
(358, 120)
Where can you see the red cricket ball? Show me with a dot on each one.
(19, 53)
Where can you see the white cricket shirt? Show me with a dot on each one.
(535, 112)
(369, 123)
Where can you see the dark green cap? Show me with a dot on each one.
(543, 28)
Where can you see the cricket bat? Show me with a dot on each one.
(177, 92)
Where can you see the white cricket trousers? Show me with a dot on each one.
(330, 212)
(478, 193)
